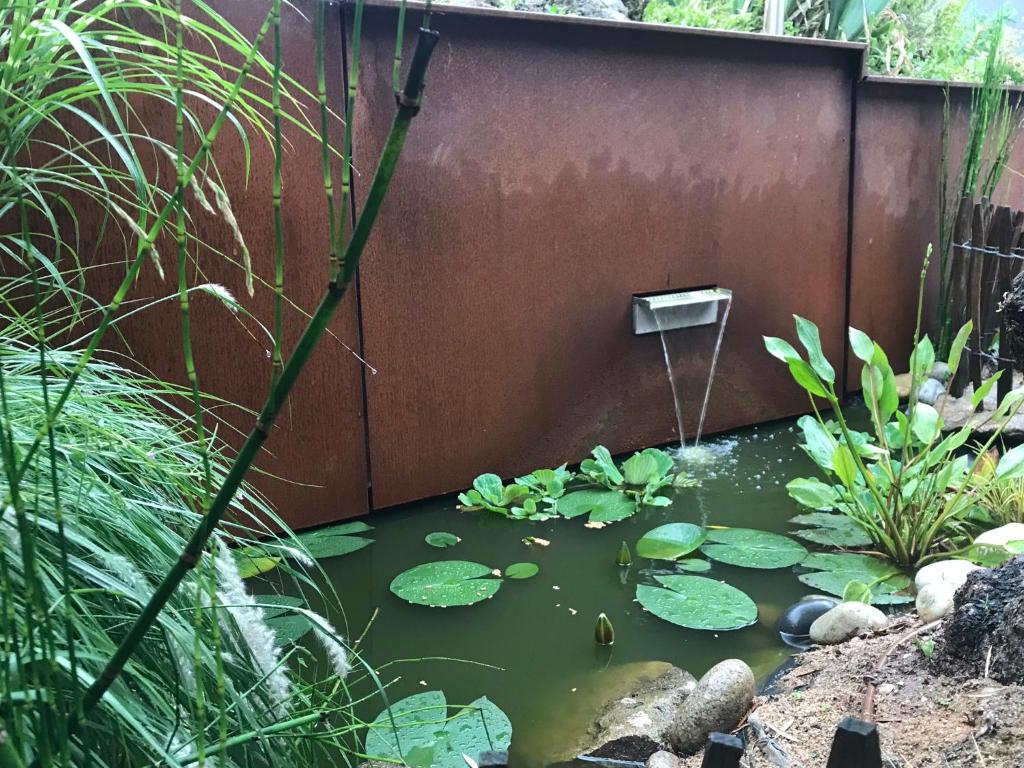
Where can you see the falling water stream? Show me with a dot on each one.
(676, 395)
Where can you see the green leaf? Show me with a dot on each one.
(781, 349)
(278, 605)
(255, 566)
(804, 375)
(429, 738)
(446, 583)
(848, 22)
(927, 423)
(808, 334)
(441, 539)
(834, 570)
(289, 628)
(750, 548)
(922, 358)
(857, 592)
(982, 392)
(489, 486)
(956, 349)
(604, 505)
(670, 541)
(649, 465)
(335, 540)
(844, 465)
(820, 443)
(522, 570)
(992, 555)
(831, 530)
(606, 471)
(693, 565)
(1011, 464)
(861, 344)
(812, 493)
(697, 602)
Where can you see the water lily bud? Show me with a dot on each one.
(604, 632)
(624, 558)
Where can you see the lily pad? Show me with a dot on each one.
(604, 506)
(831, 530)
(750, 548)
(446, 583)
(289, 627)
(335, 540)
(418, 732)
(697, 602)
(833, 571)
(522, 571)
(671, 541)
(442, 539)
(693, 565)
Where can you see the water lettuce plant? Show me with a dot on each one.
(905, 485)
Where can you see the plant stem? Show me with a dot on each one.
(408, 106)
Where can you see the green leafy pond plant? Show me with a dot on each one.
(601, 489)
(902, 490)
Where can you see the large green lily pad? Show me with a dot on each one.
(697, 602)
(604, 506)
(670, 541)
(335, 540)
(418, 732)
(749, 548)
(831, 530)
(834, 570)
(446, 583)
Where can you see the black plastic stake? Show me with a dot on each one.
(855, 745)
(722, 751)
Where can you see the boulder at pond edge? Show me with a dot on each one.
(846, 620)
(720, 700)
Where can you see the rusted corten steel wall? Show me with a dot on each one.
(557, 168)
(895, 209)
(317, 450)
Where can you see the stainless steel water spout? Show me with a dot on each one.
(681, 309)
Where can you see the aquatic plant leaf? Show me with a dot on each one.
(845, 465)
(697, 602)
(446, 583)
(650, 465)
(253, 561)
(522, 570)
(289, 627)
(835, 570)
(831, 530)
(549, 483)
(441, 539)
(276, 605)
(804, 375)
(670, 541)
(429, 738)
(750, 548)
(807, 332)
(489, 487)
(335, 540)
(781, 349)
(1011, 464)
(811, 492)
(819, 443)
(861, 344)
(693, 565)
(604, 505)
(601, 469)
(927, 423)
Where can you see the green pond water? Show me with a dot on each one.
(549, 676)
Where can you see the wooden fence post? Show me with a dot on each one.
(855, 745)
(723, 750)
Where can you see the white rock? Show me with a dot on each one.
(935, 601)
(1002, 535)
(944, 572)
(662, 760)
(844, 621)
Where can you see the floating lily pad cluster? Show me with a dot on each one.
(698, 602)
(418, 731)
(449, 583)
(601, 489)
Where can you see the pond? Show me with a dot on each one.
(537, 635)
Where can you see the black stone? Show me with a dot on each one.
(795, 623)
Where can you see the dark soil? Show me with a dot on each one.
(985, 635)
(637, 748)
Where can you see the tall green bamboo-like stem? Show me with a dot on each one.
(143, 251)
(346, 151)
(275, 100)
(408, 103)
(325, 136)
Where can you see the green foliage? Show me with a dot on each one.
(670, 541)
(335, 540)
(418, 731)
(824, 528)
(696, 602)
(749, 548)
(903, 484)
(707, 14)
(442, 539)
(846, 574)
(522, 571)
(446, 583)
(547, 493)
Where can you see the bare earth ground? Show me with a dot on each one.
(924, 718)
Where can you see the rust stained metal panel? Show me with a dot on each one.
(555, 170)
(896, 206)
(317, 450)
